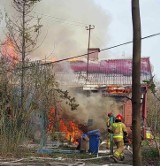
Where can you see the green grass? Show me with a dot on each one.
(150, 152)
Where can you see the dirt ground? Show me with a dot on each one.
(101, 159)
(72, 159)
(62, 163)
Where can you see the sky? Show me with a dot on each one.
(64, 31)
(120, 29)
(64, 35)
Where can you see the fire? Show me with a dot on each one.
(8, 51)
(54, 59)
(73, 60)
(51, 120)
(69, 127)
(118, 90)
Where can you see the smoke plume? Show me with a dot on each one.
(63, 33)
(94, 107)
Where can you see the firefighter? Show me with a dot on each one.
(109, 121)
(119, 130)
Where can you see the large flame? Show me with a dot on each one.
(69, 127)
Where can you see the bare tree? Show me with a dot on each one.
(28, 86)
(153, 118)
(136, 91)
(24, 32)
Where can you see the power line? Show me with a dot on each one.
(149, 36)
(62, 20)
(104, 49)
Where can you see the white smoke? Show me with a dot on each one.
(65, 21)
(63, 33)
(94, 107)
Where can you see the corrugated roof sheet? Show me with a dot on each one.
(115, 71)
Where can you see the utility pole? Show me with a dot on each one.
(136, 84)
(89, 28)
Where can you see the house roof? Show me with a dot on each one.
(114, 71)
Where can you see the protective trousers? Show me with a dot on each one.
(119, 151)
(107, 140)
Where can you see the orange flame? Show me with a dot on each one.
(73, 59)
(118, 89)
(51, 120)
(8, 51)
(70, 128)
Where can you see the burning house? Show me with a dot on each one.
(100, 86)
(106, 86)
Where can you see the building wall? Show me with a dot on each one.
(127, 113)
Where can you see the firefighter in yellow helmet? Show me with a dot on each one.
(119, 130)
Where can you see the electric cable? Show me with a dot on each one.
(62, 20)
(104, 49)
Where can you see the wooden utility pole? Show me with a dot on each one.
(136, 84)
(89, 28)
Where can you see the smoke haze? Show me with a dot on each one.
(63, 33)
(94, 107)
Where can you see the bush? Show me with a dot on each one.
(150, 152)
